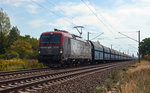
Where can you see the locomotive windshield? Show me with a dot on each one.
(52, 39)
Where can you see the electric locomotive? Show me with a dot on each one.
(60, 48)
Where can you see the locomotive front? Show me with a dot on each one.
(51, 47)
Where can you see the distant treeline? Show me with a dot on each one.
(12, 44)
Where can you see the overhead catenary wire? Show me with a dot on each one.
(101, 21)
(50, 2)
(50, 11)
(62, 11)
(71, 22)
(109, 25)
(112, 26)
(96, 16)
(103, 17)
(99, 18)
(97, 36)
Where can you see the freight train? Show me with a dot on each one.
(61, 48)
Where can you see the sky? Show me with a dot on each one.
(33, 17)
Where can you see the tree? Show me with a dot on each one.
(13, 35)
(4, 30)
(23, 48)
(11, 54)
(33, 42)
(12, 45)
(26, 38)
(145, 47)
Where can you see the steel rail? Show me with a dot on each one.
(4, 73)
(14, 73)
(35, 80)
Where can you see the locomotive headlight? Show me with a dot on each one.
(61, 51)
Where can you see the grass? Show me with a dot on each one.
(138, 79)
(134, 79)
(18, 64)
(32, 64)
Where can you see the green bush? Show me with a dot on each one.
(32, 64)
(147, 57)
(2, 56)
(13, 64)
(22, 47)
(33, 55)
(11, 55)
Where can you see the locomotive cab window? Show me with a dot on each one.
(52, 39)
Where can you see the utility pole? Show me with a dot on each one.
(135, 41)
(128, 51)
(111, 46)
(139, 46)
(88, 36)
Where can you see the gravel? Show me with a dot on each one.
(82, 84)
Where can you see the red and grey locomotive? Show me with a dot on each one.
(60, 48)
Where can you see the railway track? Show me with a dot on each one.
(11, 74)
(4, 73)
(23, 73)
(33, 83)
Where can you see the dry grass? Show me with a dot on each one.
(147, 57)
(134, 79)
(138, 79)
(32, 64)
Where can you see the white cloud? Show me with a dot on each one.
(70, 8)
(128, 16)
(12, 20)
(77, 13)
(30, 6)
(118, 2)
(17, 3)
(32, 9)
(38, 23)
(61, 22)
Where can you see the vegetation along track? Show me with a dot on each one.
(32, 83)
(23, 73)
